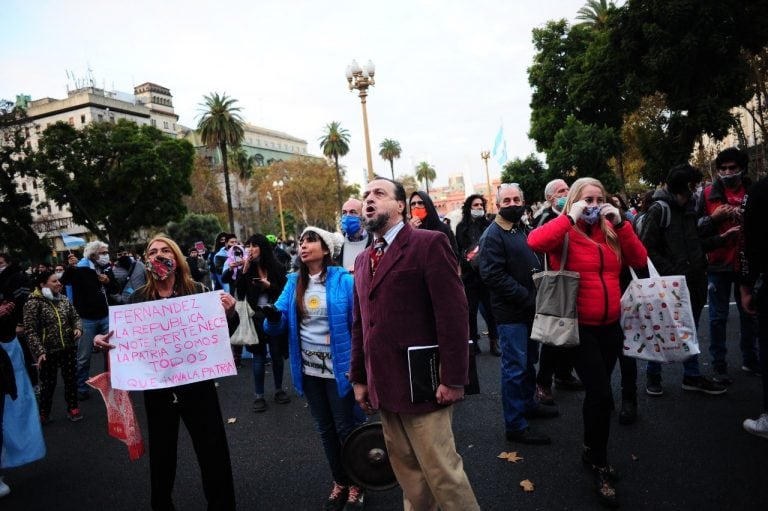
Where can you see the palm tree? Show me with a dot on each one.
(594, 13)
(243, 164)
(221, 126)
(425, 172)
(335, 143)
(390, 150)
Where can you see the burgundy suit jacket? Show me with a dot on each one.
(415, 299)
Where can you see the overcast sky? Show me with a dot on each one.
(448, 73)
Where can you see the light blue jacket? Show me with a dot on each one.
(338, 287)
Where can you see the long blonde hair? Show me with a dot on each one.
(574, 195)
(183, 283)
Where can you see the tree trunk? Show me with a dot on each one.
(338, 182)
(392, 168)
(426, 182)
(225, 166)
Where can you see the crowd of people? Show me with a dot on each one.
(344, 308)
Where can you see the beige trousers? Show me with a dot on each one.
(423, 455)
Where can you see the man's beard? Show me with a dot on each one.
(377, 223)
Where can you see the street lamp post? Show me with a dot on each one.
(485, 155)
(360, 79)
(278, 186)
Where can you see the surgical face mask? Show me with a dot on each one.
(731, 181)
(477, 213)
(59, 274)
(560, 203)
(591, 214)
(420, 213)
(47, 292)
(350, 224)
(103, 259)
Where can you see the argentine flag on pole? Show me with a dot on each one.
(500, 147)
(72, 241)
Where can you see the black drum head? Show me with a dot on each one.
(364, 456)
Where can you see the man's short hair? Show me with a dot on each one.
(93, 247)
(399, 193)
(733, 154)
(681, 176)
(508, 185)
(550, 188)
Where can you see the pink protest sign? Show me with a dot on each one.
(166, 343)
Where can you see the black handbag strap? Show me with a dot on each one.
(563, 257)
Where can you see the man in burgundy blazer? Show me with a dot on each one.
(414, 298)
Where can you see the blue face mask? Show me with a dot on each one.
(591, 214)
(350, 224)
(560, 203)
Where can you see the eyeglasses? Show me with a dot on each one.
(592, 200)
(417, 204)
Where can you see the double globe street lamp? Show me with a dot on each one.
(278, 186)
(360, 78)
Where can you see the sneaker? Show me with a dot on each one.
(281, 397)
(355, 499)
(721, 377)
(544, 395)
(757, 426)
(702, 384)
(653, 387)
(751, 368)
(337, 499)
(606, 491)
(4, 488)
(74, 415)
(569, 383)
(260, 405)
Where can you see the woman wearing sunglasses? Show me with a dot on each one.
(600, 242)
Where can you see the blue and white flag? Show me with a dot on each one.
(72, 241)
(500, 147)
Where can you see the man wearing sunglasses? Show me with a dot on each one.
(720, 219)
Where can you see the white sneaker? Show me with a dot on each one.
(757, 426)
(4, 488)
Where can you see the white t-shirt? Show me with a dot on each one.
(315, 333)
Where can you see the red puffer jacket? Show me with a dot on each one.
(593, 259)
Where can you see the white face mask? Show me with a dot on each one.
(104, 259)
(59, 274)
(476, 213)
(47, 292)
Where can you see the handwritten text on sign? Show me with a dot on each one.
(165, 343)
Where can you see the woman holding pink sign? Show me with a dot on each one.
(197, 404)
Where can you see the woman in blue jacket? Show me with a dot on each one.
(315, 309)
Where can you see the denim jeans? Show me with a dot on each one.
(518, 374)
(333, 417)
(259, 364)
(91, 328)
(721, 287)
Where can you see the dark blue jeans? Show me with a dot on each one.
(721, 287)
(518, 374)
(333, 417)
(260, 360)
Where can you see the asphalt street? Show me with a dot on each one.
(686, 452)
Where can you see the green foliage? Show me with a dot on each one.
(583, 150)
(193, 228)
(425, 173)
(530, 174)
(221, 127)
(390, 150)
(335, 143)
(16, 233)
(115, 178)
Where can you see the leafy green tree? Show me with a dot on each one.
(594, 13)
(16, 233)
(335, 143)
(583, 150)
(390, 150)
(115, 178)
(193, 228)
(530, 174)
(221, 126)
(425, 173)
(206, 193)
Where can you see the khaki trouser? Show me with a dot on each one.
(423, 455)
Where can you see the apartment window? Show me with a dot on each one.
(34, 184)
(82, 119)
(36, 198)
(259, 160)
(72, 121)
(112, 119)
(153, 122)
(49, 209)
(100, 118)
(165, 125)
(24, 187)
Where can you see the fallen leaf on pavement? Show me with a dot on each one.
(510, 456)
(526, 485)
(634, 457)
(231, 420)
